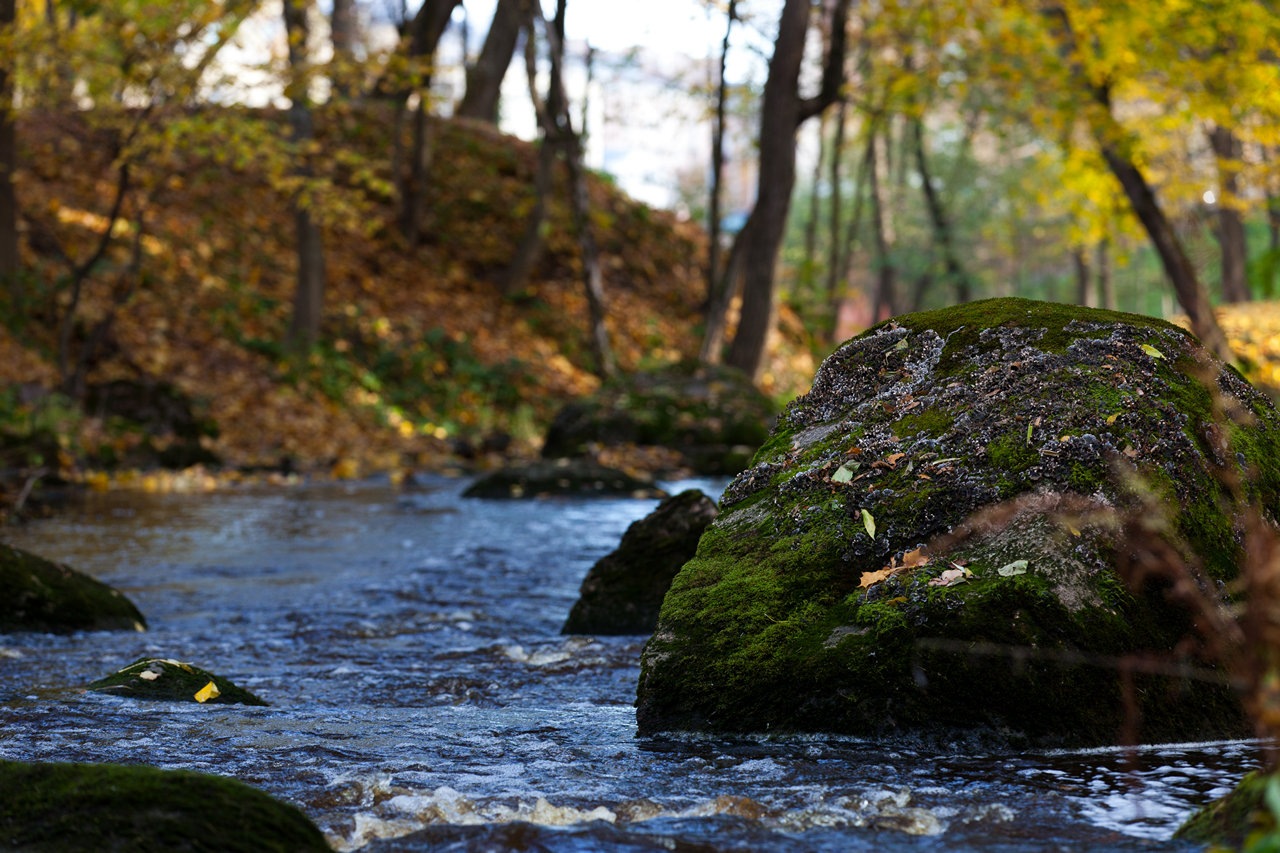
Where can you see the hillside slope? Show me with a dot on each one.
(420, 347)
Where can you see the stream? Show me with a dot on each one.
(422, 697)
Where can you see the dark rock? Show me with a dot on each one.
(623, 590)
(712, 419)
(173, 681)
(39, 595)
(786, 619)
(1230, 821)
(63, 806)
(561, 477)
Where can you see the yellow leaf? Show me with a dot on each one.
(869, 522)
(209, 691)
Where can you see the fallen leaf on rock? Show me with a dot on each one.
(843, 474)
(914, 559)
(209, 691)
(1152, 351)
(1017, 567)
(951, 577)
(869, 522)
(872, 578)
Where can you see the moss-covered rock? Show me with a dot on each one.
(711, 419)
(67, 806)
(40, 595)
(780, 623)
(1245, 815)
(623, 591)
(561, 477)
(173, 681)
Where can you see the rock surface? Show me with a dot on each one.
(623, 591)
(561, 477)
(1236, 819)
(173, 681)
(67, 806)
(809, 605)
(710, 421)
(40, 595)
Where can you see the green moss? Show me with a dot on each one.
(111, 807)
(1239, 820)
(39, 595)
(931, 422)
(1011, 453)
(173, 681)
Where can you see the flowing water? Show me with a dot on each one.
(422, 697)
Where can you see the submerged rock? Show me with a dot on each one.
(66, 806)
(40, 595)
(810, 606)
(710, 420)
(561, 477)
(623, 590)
(173, 681)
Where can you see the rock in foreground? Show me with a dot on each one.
(173, 681)
(40, 595)
(623, 590)
(809, 605)
(138, 808)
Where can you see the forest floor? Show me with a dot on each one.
(423, 359)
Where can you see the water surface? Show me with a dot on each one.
(422, 696)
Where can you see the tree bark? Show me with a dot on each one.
(1083, 280)
(809, 266)
(308, 297)
(8, 164)
(955, 273)
(835, 251)
(886, 297)
(782, 112)
(1112, 142)
(484, 77)
(717, 283)
(1106, 287)
(423, 37)
(1231, 234)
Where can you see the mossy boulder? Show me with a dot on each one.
(561, 478)
(1241, 818)
(786, 619)
(623, 591)
(40, 595)
(64, 806)
(710, 420)
(173, 681)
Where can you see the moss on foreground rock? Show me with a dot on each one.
(910, 429)
(1242, 818)
(173, 681)
(67, 806)
(623, 591)
(40, 595)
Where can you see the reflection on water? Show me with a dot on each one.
(423, 698)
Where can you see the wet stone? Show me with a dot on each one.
(173, 681)
(810, 605)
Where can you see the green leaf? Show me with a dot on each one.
(1017, 567)
(1152, 351)
(869, 522)
(843, 474)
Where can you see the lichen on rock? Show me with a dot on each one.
(40, 595)
(623, 591)
(173, 681)
(809, 605)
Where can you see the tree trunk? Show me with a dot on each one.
(308, 298)
(808, 277)
(8, 164)
(956, 275)
(782, 111)
(425, 32)
(529, 249)
(1083, 279)
(484, 77)
(1231, 235)
(718, 284)
(835, 251)
(886, 298)
(1106, 287)
(344, 30)
(1111, 138)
